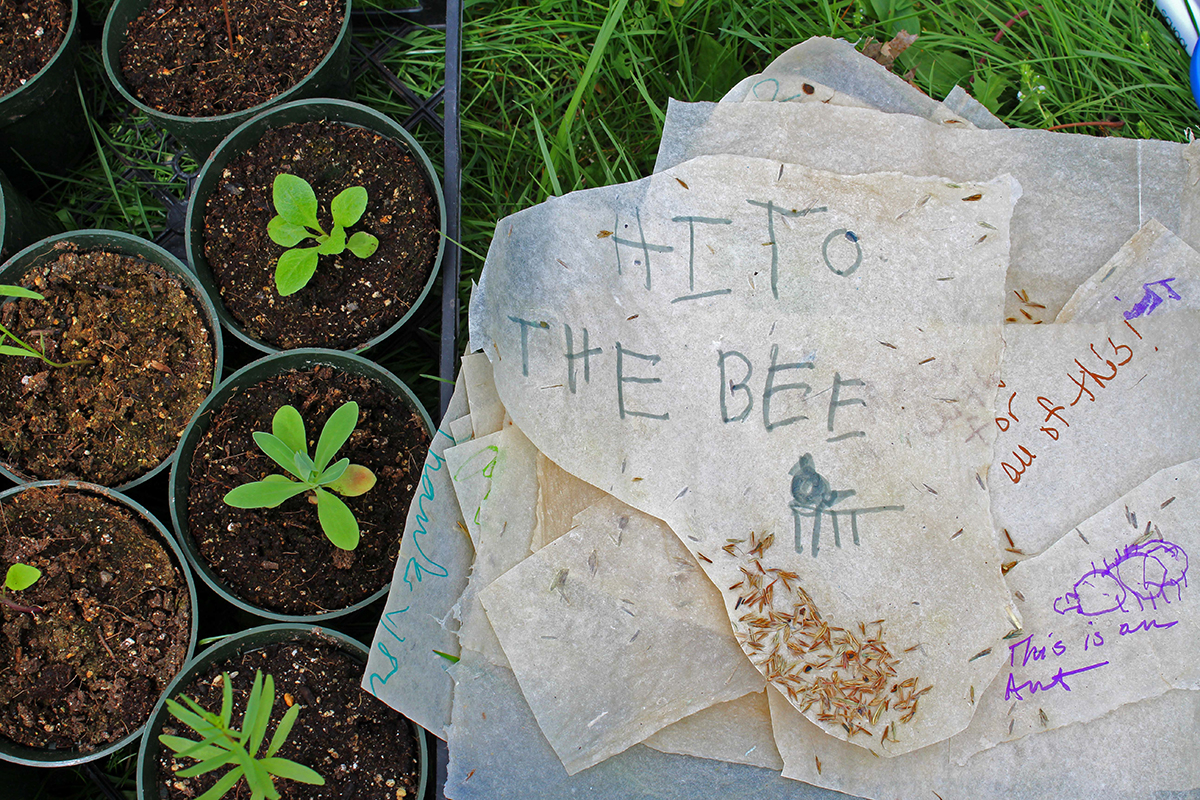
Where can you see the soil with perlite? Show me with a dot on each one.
(31, 31)
(103, 631)
(279, 558)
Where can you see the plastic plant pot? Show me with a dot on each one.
(179, 484)
(331, 77)
(39, 757)
(20, 223)
(46, 251)
(232, 647)
(345, 112)
(42, 125)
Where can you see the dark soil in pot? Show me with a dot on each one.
(113, 628)
(178, 57)
(30, 34)
(279, 558)
(116, 418)
(349, 300)
(362, 748)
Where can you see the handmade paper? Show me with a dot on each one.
(1142, 751)
(1083, 196)
(738, 731)
(496, 480)
(1155, 272)
(560, 497)
(1108, 617)
(403, 668)
(824, 70)
(614, 632)
(1086, 412)
(795, 371)
(487, 412)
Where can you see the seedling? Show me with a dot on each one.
(296, 220)
(23, 348)
(19, 578)
(286, 445)
(222, 744)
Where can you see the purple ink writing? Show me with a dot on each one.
(1033, 687)
(1139, 572)
(1150, 300)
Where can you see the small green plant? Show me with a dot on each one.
(222, 744)
(19, 578)
(296, 220)
(23, 348)
(286, 445)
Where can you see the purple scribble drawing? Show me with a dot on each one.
(1142, 572)
(1150, 300)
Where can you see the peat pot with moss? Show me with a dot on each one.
(199, 68)
(98, 617)
(42, 126)
(317, 224)
(310, 728)
(112, 347)
(291, 484)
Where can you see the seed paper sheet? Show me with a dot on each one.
(783, 369)
(1108, 616)
(1088, 411)
(435, 558)
(487, 412)
(1083, 196)
(1143, 751)
(496, 481)
(614, 632)
(824, 70)
(560, 497)
(738, 731)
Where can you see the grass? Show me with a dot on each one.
(560, 95)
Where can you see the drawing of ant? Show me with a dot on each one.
(1142, 571)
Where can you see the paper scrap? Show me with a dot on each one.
(737, 731)
(560, 497)
(1083, 196)
(404, 669)
(487, 412)
(614, 632)
(785, 357)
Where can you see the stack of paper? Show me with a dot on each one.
(854, 447)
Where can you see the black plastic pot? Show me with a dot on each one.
(233, 646)
(42, 124)
(246, 135)
(331, 77)
(20, 223)
(45, 252)
(243, 379)
(37, 757)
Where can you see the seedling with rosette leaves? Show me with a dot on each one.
(223, 745)
(296, 220)
(287, 446)
(23, 348)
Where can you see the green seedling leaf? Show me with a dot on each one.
(9, 350)
(288, 427)
(295, 200)
(284, 768)
(263, 494)
(448, 657)
(21, 576)
(294, 270)
(286, 234)
(305, 465)
(282, 730)
(7, 290)
(259, 730)
(337, 520)
(348, 207)
(334, 471)
(335, 244)
(363, 244)
(222, 786)
(279, 452)
(187, 748)
(356, 480)
(208, 764)
(337, 430)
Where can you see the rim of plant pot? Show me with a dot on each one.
(254, 372)
(234, 645)
(201, 134)
(248, 133)
(39, 757)
(92, 239)
(20, 223)
(43, 118)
